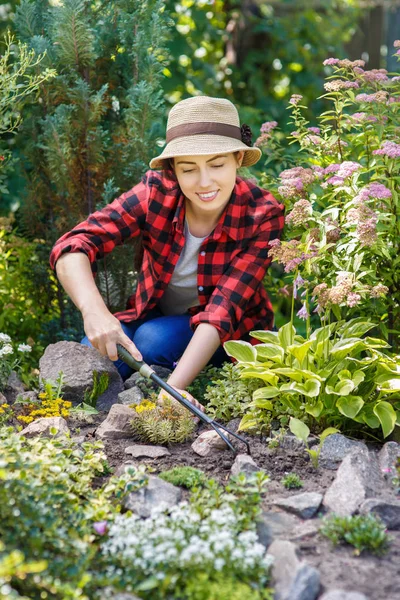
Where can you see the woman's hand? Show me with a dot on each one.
(104, 332)
(163, 394)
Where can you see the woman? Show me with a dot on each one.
(205, 235)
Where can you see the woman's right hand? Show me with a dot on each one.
(104, 332)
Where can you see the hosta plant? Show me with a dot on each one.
(335, 378)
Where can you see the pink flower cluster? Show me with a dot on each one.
(365, 219)
(362, 117)
(343, 170)
(268, 126)
(373, 190)
(346, 63)
(390, 149)
(295, 99)
(262, 140)
(315, 130)
(396, 44)
(340, 84)
(372, 76)
(300, 214)
(294, 180)
(341, 292)
(379, 290)
(289, 253)
(380, 96)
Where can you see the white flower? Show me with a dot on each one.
(5, 338)
(24, 348)
(7, 349)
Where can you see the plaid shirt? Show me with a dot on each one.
(232, 261)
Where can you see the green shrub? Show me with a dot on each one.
(48, 507)
(165, 423)
(229, 395)
(292, 481)
(187, 477)
(364, 532)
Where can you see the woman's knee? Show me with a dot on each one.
(160, 343)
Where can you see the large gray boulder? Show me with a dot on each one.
(358, 478)
(44, 425)
(292, 579)
(335, 448)
(78, 362)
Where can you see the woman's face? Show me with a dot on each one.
(207, 181)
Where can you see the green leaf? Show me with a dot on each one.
(327, 432)
(343, 348)
(266, 336)
(262, 403)
(299, 429)
(314, 409)
(356, 328)
(266, 392)
(270, 351)
(300, 351)
(344, 387)
(260, 373)
(242, 351)
(386, 415)
(389, 385)
(286, 335)
(350, 406)
(291, 373)
(248, 422)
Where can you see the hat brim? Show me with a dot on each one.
(206, 144)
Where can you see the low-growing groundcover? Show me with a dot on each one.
(64, 538)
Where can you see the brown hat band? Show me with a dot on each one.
(203, 127)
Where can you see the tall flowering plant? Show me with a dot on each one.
(341, 245)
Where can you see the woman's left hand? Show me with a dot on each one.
(163, 394)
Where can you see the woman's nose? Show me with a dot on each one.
(205, 179)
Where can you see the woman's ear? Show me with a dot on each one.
(239, 158)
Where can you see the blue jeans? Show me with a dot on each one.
(161, 340)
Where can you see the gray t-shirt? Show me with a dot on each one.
(181, 292)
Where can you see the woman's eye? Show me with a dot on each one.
(215, 167)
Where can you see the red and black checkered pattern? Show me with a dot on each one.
(233, 259)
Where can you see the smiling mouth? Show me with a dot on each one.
(208, 195)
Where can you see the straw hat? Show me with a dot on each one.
(206, 125)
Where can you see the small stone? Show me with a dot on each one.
(303, 505)
(117, 425)
(334, 449)
(3, 399)
(272, 525)
(132, 395)
(136, 379)
(42, 427)
(157, 492)
(244, 464)
(387, 457)
(14, 386)
(388, 511)
(109, 592)
(357, 479)
(124, 468)
(78, 439)
(342, 595)
(292, 579)
(26, 396)
(291, 442)
(208, 443)
(142, 451)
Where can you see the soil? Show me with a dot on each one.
(378, 577)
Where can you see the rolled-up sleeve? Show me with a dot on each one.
(228, 302)
(122, 219)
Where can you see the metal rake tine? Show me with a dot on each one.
(236, 435)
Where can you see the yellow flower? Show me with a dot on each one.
(42, 395)
(144, 405)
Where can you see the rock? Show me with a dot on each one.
(292, 579)
(334, 449)
(130, 396)
(117, 425)
(78, 439)
(387, 510)
(157, 492)
(142, 451)
(303, 505)
(27, 396)
(291, 442)
(209, 442)
(137, 380)
(387, 457)
(357, 479)
(42, 427)
(3, 399)
(272, 525)
(78, 362)
(14, 386)
(342, 595)
(244, 464)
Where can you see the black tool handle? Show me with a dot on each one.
(128, 358)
